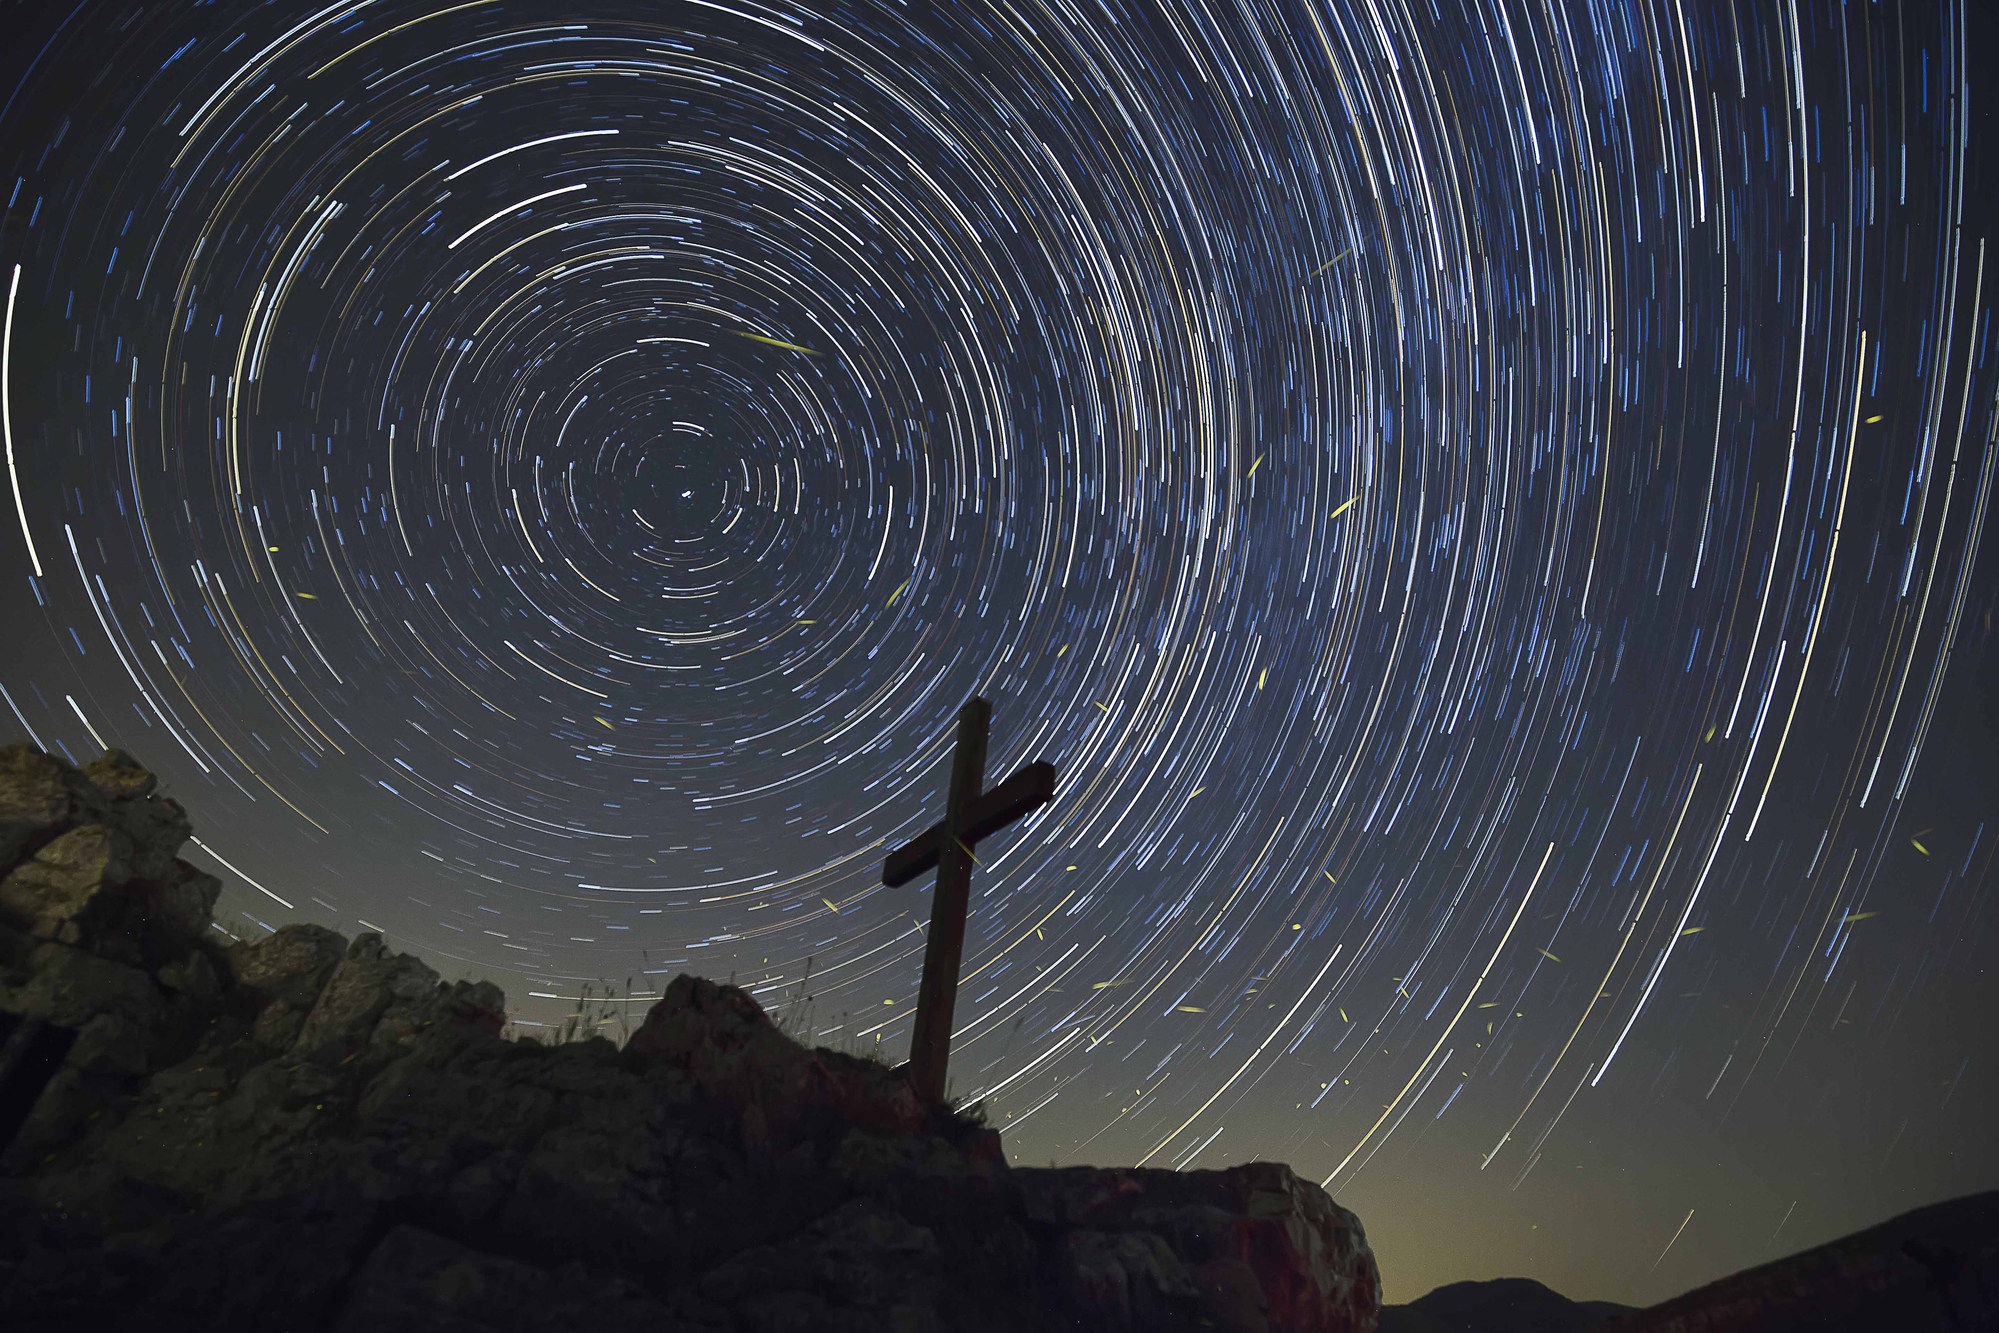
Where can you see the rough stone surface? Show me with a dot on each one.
(91, 858)
(40, 795)
(1308, 1255)
(722, 1039)
(312, 1133)
(70, 891)
(1132, 1279)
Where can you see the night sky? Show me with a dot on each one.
(1486, 504)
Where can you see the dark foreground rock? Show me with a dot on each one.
(1934, 1270)
(1503, 1305)
(313, 1133)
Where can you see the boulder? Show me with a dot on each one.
(157, 827)
(91, 858)
(40, 796)
(73, 892)
(119, 776)
(370, 993)
(722, 1039)
(179, 905)
(280, 978)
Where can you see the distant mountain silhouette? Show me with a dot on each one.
(1933, 1270)
(1504, 1305)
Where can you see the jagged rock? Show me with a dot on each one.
(304, 1132)
(179, 904)
(72, 892)
(289, 967)
(157, 827)
(369, 989)
(119, 776)
(103, 873)
(40, 796)
(283, 975)
(723, 1039)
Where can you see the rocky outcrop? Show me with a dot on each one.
(721, 1038)
(92, 856)
(1261, 1247)
(1936, 1268)
(307, 1132)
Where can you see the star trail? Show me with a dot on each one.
(1482, 503)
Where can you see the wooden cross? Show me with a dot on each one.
(970, 813)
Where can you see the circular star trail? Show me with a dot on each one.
(1481, 504)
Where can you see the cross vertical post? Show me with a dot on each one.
(970, 813)
(936, 1000)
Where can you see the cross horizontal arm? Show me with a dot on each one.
(1022, 794)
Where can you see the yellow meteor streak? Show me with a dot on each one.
(1329, 263)
(1343, 508)
(776, 342)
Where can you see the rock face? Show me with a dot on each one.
(312, 1133)
(1936, 1268)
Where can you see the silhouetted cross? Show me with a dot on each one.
(970, 813)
